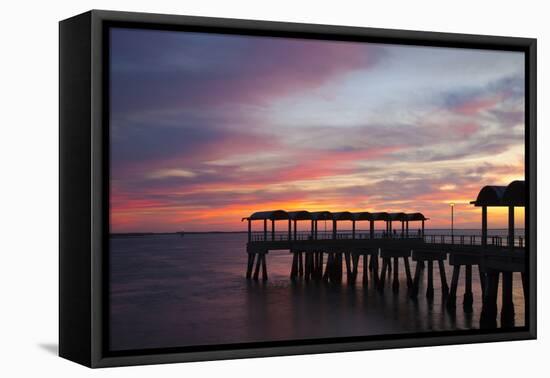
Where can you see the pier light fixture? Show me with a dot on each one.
(452, 222)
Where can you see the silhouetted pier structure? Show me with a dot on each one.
(493, 263)
(492, 255)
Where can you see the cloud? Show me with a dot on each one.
(194, 145)
(164, 173)
(166, 70)
(471, 101)
(140, 147)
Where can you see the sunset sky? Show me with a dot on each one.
(206, 129)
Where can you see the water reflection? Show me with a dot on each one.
(168, 291)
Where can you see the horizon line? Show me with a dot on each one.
(244, 232)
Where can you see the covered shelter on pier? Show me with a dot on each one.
(363, 216)
(398, 217)
(316, 216)
(415, 217)
(510, 196)
(514, 196)
(296, 216)
(341, 216)
(488, 196)
(293, 217)
(384, 217)
(272, 215)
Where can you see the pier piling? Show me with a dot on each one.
(294, 269)
(257, 269)
(366, 270)
(348, 267)
(416, 281)
(408, 272)
(395, 284)
(429, 256)
(430, 286)
(507, 314)
(489, 310)
(467, 303)
(385, 264)
(451, 299)
(250, 266)
(467, 260)
(443, 278)
(492, 254)
(264, 267)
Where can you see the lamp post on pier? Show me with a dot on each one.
(452, 222)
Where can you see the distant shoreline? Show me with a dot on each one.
(134, 234)
(138, 234)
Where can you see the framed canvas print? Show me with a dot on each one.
(234, 188)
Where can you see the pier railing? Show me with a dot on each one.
(260, 236)
(492, 240)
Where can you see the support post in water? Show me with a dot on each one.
(468, 301)
(430, 287)
(251, 257)
(294, 269)
(451, 300)
(264, 267)
(443, 278)
(348, 267)
(489, 307)
(507, 313)
(408, 272)
(395, 284)
(416, 281)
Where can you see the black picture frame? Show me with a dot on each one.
(84, 189)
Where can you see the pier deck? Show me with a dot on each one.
(492, 257)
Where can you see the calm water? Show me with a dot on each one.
(169, 291)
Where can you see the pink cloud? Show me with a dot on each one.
(477, 105)
(317, 164)
(467, 129)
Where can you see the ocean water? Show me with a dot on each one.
(172, 291)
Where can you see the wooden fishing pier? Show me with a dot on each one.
(380, 251)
